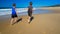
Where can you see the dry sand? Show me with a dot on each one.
(41, 24)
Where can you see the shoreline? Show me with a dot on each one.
(50, 8)
(24, 10)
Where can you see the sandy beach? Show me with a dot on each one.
(41, 24)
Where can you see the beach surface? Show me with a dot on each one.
(48, 23)
(41, 24)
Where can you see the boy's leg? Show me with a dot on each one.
(29, 19)
(12, 20)
(15, 19)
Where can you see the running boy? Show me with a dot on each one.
(14, 14)
(30, 11)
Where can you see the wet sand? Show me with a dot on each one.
(41, 24)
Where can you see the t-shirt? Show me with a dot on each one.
(13, 11)
(30, 9)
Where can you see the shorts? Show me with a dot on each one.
(30, 14)
(13, 16)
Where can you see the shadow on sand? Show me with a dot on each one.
(17, 21)
(21, 20)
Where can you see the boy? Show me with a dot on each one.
(14, 14)
(30, 11)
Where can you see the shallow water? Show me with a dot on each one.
(24, 11)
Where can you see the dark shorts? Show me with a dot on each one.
(13, 16)
(30, 14)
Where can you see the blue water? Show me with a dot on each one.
(37, 12)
